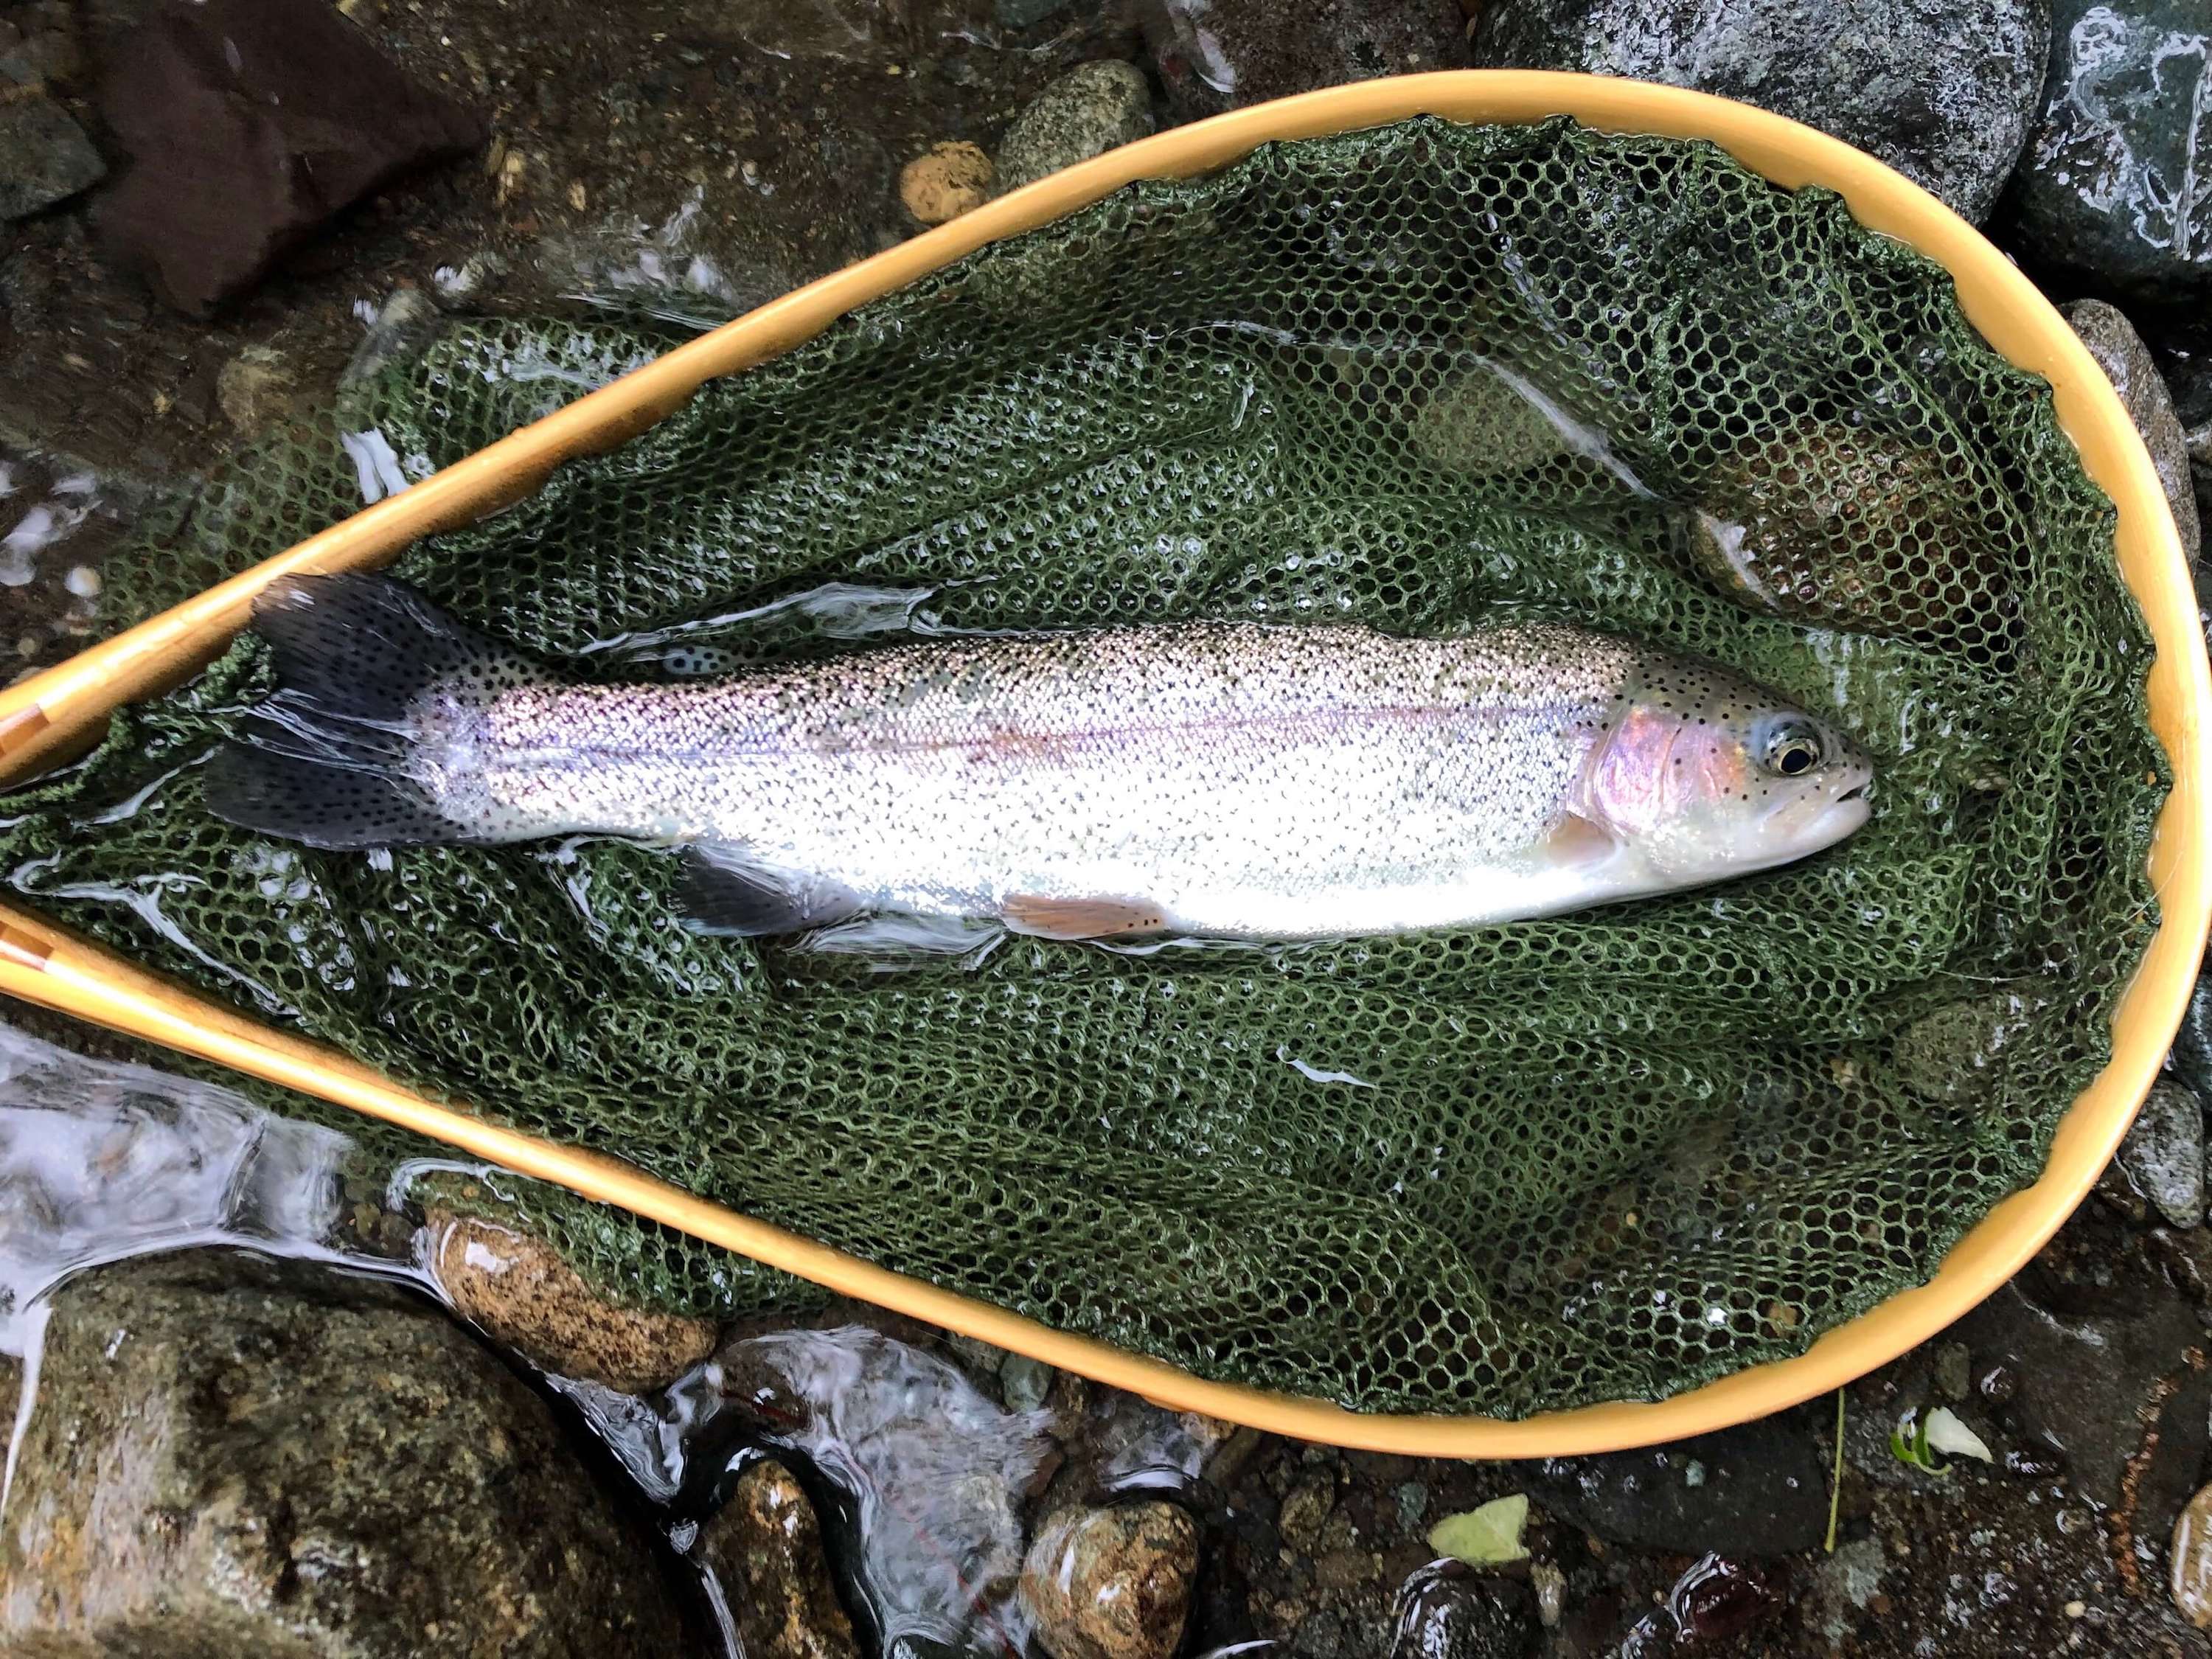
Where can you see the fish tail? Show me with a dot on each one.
(368, 671)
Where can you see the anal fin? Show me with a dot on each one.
(1081, 918)
(723, 894)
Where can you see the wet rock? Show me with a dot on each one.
(953, 178)
(1112, 1584)
(44, 157)
(2192, 1560)
(1214, 55)
(1717, 1599)
(249, 125)
(521, 1291)
(2121, 353)
(934, 1463)
(1093, 108)
(2113, 183)
(255, 389)
(237, 1455)
(1445, 1612)
(764, 1546)
(1763, 1489)
(1943, 93)
(2161, 1162)
(1305, 1511)
(1847, 1583)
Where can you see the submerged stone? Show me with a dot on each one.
(1830, 523)
(1943, 93)
(1093, 108)
(249, 125)
(521, 1292)
(233, 1454)
(764, 1547)
(1445, 1612)
(1112, 1584)
(2113, 182)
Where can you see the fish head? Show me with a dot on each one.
(1706, 775)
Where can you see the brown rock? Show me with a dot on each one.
(764, 1547)
(1112, 1584)
(521, 1292)
(228, 1454)
(953, 177)
(2192, 1561)
(249, 125)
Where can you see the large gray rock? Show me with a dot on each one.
(2114, 181)
(2121, 353)
(1944, 94)
(1214, 55)
(230, 1455)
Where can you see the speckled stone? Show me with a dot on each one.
(230, 1455)
(1092, 109)
(1112, 1584)
(521, 1292)
(764, 1546)
(2114, 182)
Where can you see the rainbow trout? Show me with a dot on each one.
(1224, 779)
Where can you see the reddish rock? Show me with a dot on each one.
(249, 125)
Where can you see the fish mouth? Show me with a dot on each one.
(1822, 819)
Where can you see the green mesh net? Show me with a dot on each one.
(1422, 377)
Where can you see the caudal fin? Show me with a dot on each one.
(331, 759)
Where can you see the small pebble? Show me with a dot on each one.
(954, 178)
(1551, 1586)
(83, 581)
(2076, 1609)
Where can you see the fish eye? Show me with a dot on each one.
(1793, 749)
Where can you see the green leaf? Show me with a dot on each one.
(1487, 1537)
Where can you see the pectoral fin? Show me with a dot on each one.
(1580, 843)
(1080, 918)
(722, 893)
